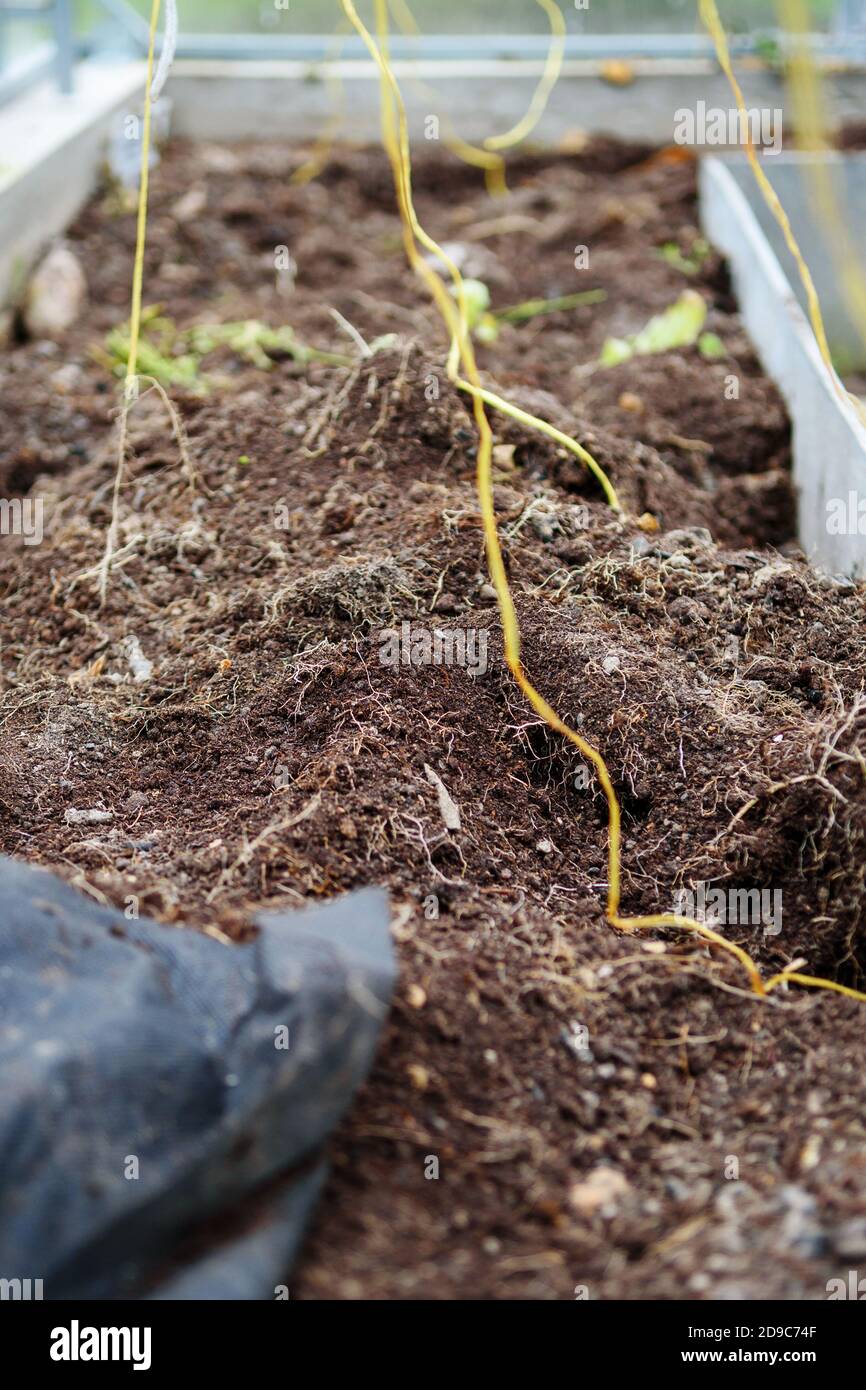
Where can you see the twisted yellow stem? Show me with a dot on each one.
(141, 226)
(396, 142)
(710, 16)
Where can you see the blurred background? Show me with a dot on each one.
(35, 32)
(475, 16)
(27, 27)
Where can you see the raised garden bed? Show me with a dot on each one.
(589, 1096)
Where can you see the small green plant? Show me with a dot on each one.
(484, 322)
(258, 344)
(479, 320)
(677, 326)
(155, 358)
(711, 347)
(173, 356)
(531, 308)
(689, 262)
(769, 50)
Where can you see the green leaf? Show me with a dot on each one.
(531, 308)
(711, 346)
(487, 329)
(159, 355)
(476, 297)
(678, 326)
(689, 263)
(168, 371)
(615, 350)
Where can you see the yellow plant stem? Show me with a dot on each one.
(396, 141)
(810, 982)
(141, 228)
(533, 421)
(324, 145)
(549, 79)
(130, 385)
(710, 16)
(492, 164)
(811, 124)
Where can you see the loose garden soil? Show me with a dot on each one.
(271, 758)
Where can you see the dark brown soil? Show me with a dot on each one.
(694, 1142)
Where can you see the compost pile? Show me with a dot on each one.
(612, 1114)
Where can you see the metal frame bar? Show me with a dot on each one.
(317, 47)
(63, 35)
(842, 42)
(59, 13)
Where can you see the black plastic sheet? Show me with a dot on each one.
(164, 1097)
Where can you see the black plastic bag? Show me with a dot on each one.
(164, 1097)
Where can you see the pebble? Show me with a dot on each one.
(687, 538)
(800, 1230)
(89, 816)
(600, 1192)
(767, 573)
(848, 1239)
(191, 205)
(55, 295)
(139, 665)
(66, 378)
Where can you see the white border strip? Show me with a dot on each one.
(829, 442)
